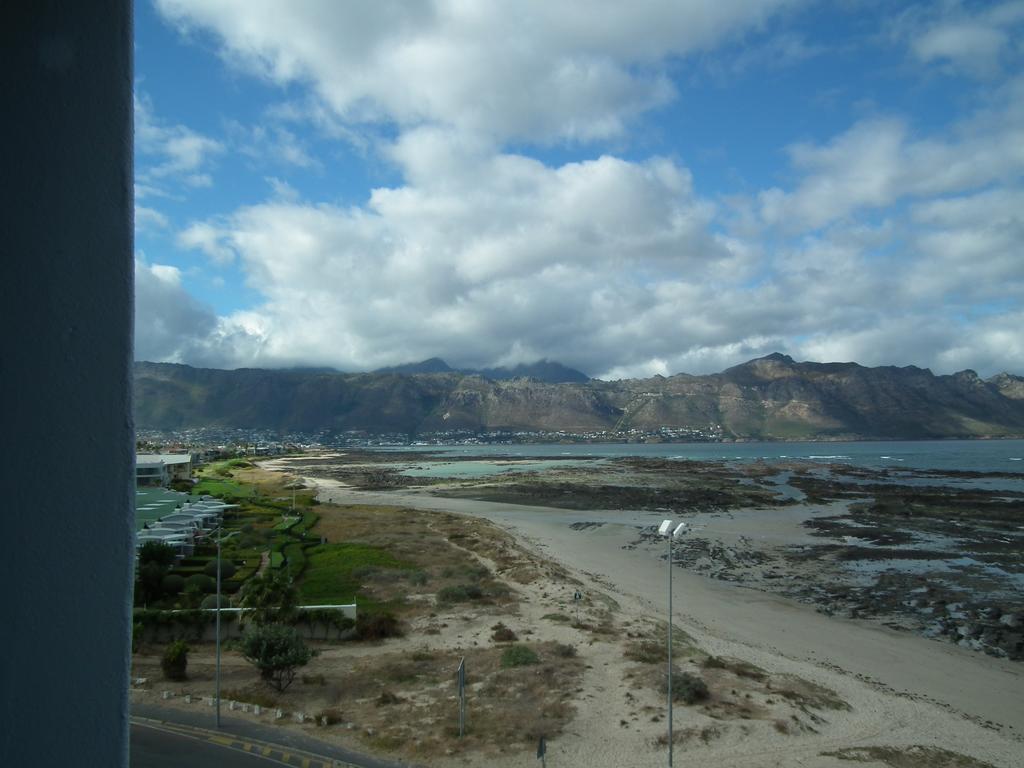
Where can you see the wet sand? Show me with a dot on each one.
(910, 690)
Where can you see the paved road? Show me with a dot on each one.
(160, 748)
(164, 737)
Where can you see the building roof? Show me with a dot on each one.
(162, 458)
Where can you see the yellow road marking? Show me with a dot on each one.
(308, 759)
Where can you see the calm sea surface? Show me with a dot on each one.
(972, 455)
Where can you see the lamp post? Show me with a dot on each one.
(217, 633)
(665, 529)
(220, 530)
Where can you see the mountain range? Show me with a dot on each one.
(542, 370)
(772, 397)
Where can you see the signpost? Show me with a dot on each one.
(461, 676)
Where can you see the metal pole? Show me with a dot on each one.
(670, 650)
(462, 696)
(217, 694)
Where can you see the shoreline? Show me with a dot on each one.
(913, 689)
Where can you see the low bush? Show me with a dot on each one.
(460, 593)
(227, 569)
(377, 626)
(387, 698)
(330, 716)
(201, 581)
(503, 634)
(210, 601)
(519, 656)
(173, 584)
(561, 618)
(295, 557)
(174, 662)
(647, 652)
(687, 688)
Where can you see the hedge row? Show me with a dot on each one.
(295, 555)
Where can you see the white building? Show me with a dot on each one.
(160, 469)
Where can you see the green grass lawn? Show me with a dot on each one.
(221, 488)
(328, 577)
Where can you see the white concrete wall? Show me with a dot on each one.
(66, 297)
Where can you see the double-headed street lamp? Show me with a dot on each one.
(666, 530)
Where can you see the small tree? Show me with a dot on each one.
(273, 598)
(227, 569)
(156, 552)
(175, 660)
(149, 586)
(276, 651)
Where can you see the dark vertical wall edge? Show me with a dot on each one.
(66, 285)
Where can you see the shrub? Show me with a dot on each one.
(565, 650)
(202, 581)
(156, 552)
(276, 651)
(210, 601)
(330, 716)
(647, 652)
(518, 656)
(227, 569)
(460, 593)
(503, 634)
(295, 557)
(377, 626)
(273, 596)
(175, 660)
(387, 698)
(687, 688)
(173, 584)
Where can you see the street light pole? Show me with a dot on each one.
(671, 535)
(217, 693)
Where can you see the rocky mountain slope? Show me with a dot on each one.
(772, 397)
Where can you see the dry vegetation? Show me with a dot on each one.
(908, 757)
(467, 590)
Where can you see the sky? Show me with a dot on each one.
(630, 189)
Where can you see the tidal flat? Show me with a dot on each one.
(935, 552)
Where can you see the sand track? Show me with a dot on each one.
(903, 689)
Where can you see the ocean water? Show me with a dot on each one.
(942, 455)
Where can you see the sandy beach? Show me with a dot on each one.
(903, 690)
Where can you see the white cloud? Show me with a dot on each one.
(530, 70)
(149, 218)
(168, 321)
(168, 154)
(969, 40)
(203, 236)
(486, 256)
(612, 266)
(272, 145)
(878, 162)
(510, 255)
